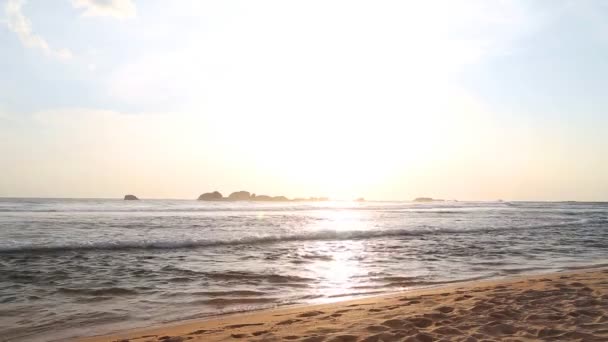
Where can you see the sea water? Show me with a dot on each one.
(74, 267)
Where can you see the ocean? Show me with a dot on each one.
(75, 267)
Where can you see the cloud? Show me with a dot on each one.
(112, 8)
(21, 25)
(405, 47)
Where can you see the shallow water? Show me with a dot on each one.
(70, 267)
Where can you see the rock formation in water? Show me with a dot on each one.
(211, 196)
(427, 199)
(240, 196)
(246, 196)
(131, 198)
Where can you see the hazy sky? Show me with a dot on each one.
(381, 99)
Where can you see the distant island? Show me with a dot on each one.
(427, 199)
(131, 198)
(246, 196)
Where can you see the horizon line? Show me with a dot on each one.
(304, 200)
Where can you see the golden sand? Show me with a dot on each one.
(570, 306)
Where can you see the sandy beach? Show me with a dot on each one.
(565, 306)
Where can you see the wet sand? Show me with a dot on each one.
(568, 306)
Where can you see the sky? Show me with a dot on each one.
(387, 100)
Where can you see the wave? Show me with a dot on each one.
(583, 267)
(387, 284)
(194, 206)
(319, 235)
(234, 293)
(241, 276)
(110, 291)
(233, 301)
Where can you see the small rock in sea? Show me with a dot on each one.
(211, 196)
(131, 198)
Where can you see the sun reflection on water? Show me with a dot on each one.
(338, 264)
(342, 220)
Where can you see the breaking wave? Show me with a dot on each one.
(319, 235)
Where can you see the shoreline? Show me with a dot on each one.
(346, 320)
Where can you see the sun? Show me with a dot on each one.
(347, 154)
